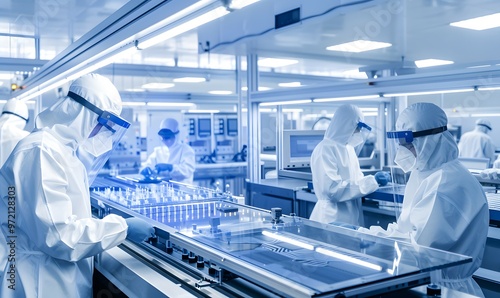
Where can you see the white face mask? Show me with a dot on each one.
(405, 159)
(356, 140)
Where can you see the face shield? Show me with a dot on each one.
(402, 158)
(359, 136)
(103, 138)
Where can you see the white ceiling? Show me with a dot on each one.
(417, 29)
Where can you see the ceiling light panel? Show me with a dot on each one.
(220, 92)
(157, 85)
(189, 80)
(359, 46)
(431, 62)
(290, 84)
(479, 23)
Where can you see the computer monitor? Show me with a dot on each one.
(298, 146)
(232, 127)
(204, 127)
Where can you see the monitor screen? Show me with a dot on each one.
(298, 146)
(204, 127)
(303, 145)
(232, 127)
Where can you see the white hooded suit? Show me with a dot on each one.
(44, 186)
(337, 178)
(444, 206)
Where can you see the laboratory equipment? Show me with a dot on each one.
(225, 246)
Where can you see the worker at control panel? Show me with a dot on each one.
(45, 189)
(174, 158)
(338, 181)
(444, 206)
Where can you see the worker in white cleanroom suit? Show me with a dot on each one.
(173, 158)
(337, 178)
(477, 143)
(444, 206)
(12, 123)
(52, 236)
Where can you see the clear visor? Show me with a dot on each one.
(103, 139)
(397, 141)
(359, 136)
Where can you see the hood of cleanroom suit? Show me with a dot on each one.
(444, 206)
(337, 178)
(56, 235)
(73, 121)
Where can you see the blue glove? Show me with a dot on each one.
(383, 178)
(344, 225)
(147, 172)
(138, 230)
(161, 167)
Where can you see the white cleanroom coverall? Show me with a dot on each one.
(44, 185)
(444, 206)
(337, 178)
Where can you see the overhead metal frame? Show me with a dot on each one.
(466, 78)
(116, 33)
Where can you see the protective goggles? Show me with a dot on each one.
(166, 133)
(406, 137)
(104, 118)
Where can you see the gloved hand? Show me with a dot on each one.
(161, 167)
(383, 178)
(492, 174)
(147, 172)
(344, 225)
(138, 229)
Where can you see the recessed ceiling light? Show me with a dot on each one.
(275, 62)
(431, 62)
(158, 85)
(359, 46)
(190, 80)
(220, 92)
(134, 89)
(479, 23)
(261, 88)
(1, 83)
(290, 84)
